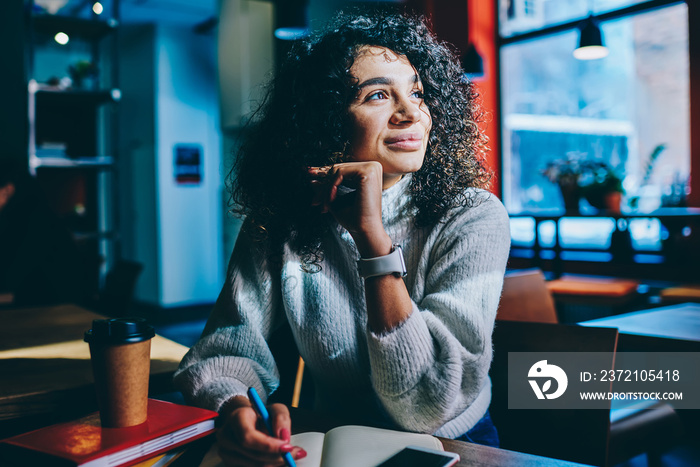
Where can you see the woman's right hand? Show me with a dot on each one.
(359, 212)
(243, 439)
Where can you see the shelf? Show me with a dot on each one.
(89, 29)
(67, 118)
(101, 162)
(51, 95)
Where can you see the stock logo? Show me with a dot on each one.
(543, 371)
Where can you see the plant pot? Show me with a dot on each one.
(613, 201)
(571, 195)
(604, 200)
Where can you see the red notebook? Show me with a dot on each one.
(84, 442)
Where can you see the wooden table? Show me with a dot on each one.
(46, 370)
(46, 377)
(673, 328)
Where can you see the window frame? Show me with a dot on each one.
(644, 7)
(693, 200)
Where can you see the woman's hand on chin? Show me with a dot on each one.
(352, 193)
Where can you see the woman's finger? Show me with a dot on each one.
(319, 172)
(240, 433)
(281, 421)
(332, 192)
(323, 185)
(317, 188)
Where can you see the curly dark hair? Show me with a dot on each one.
(304, 121)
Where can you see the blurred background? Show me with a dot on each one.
(120, 120)
(128, 113)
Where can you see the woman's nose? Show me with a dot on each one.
(406, 111)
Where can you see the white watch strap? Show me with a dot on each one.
(393, 263)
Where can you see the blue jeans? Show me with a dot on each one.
(484, 432)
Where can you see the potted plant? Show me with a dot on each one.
(578, 177)
(82, 71)
(565, 173)
(602, 187)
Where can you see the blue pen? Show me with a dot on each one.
(262, 411)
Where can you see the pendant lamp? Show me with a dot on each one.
(292, 18)
(590, 45)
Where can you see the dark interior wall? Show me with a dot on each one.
(451, 24)
(13, 117)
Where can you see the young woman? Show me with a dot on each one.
(369, 233)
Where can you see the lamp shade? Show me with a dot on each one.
(292, 19)
(590, 46)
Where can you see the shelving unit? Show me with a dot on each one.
(86, 29)
(52, 115)
(72, 144)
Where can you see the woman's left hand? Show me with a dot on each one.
(352, 193)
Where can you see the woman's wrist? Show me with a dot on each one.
(373, 245)
(236, 402)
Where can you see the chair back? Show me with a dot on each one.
(567, 434)
(291, 370)
(525, 297)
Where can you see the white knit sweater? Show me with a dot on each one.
(430, 374)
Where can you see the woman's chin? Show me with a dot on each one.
(407, 164)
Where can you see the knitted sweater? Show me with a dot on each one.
(429, 374)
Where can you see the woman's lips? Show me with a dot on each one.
(408, 141)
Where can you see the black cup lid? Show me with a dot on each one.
(119, 331)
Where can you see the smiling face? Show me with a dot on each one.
(391, 120)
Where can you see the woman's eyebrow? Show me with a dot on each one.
(373, 81)
(383, 80)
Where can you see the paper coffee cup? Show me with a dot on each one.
(120, 350)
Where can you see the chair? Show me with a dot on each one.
(581, 298)
(680, 294)
(528, 297)
(557, 433)
(650, 429)
(291, 369)
(525, 297)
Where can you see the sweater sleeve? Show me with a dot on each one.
(437, 361)
(232, 353)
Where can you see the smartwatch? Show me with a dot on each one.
(393, 263)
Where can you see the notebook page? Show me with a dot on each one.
(347, 446)
(361, 446)
(312, 444)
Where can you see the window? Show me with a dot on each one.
(620, 109)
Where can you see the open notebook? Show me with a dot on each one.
(349, 446)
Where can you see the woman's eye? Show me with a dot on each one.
(417, 94)
(376, 95)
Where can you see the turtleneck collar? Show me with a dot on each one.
(395, 201)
